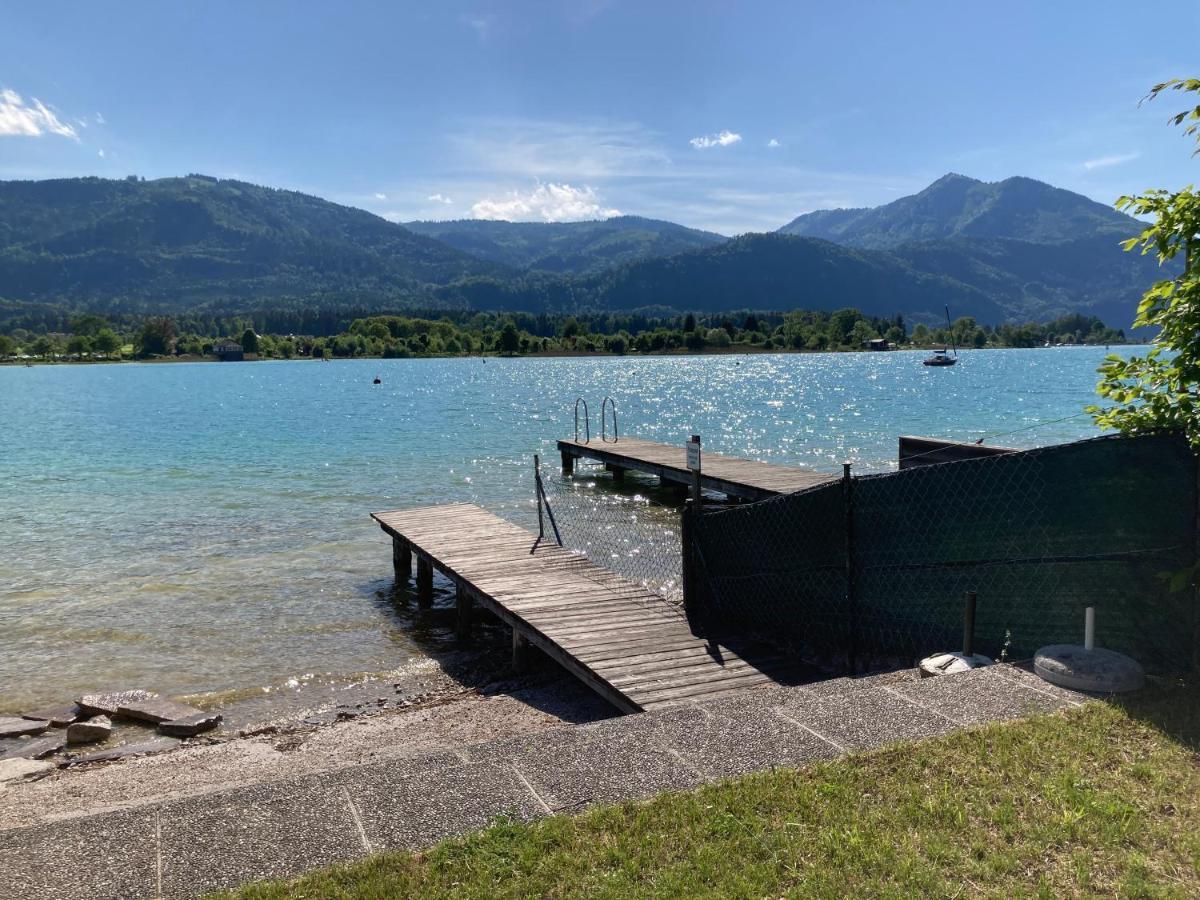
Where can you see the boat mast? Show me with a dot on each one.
(950, 331)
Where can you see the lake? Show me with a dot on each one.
(202, 529)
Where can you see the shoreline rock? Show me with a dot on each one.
(38, 748)
(107, 704)
(13, 727)
(157, 710)
(88, 732)
(57, 716)
(189, 726)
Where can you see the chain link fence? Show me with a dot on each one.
(628, 533)
(871, 571)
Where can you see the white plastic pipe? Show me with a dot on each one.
(1089, 628)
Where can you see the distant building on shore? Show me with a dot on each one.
(878, 344)
(227, 350)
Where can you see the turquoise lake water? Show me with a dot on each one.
(203, 528)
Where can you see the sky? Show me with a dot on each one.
(726, 116)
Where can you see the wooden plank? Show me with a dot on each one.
(617, 636)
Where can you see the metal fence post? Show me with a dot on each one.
(851, 586)
(691, 601)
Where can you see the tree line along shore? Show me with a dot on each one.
(91, 337)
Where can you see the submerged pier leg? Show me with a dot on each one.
(401, 559)
(568, 463)
(521, 651)
(465, 604)
(618, 472)
(424, 582)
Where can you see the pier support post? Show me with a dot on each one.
(568, 463)
(424, 582)
(618, 473)
(520, 652)
(401, 559)
(464, 603)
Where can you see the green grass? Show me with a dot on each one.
(1103, 800)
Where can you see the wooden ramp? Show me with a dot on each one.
(743, 478)
(622, 640)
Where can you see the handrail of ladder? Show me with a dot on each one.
(608, 401)
(587, 425)
(543, 502)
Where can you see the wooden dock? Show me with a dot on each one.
(621, 639)
(745, 479)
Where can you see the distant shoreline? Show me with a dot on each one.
(541, 354)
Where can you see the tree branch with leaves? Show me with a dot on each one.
(1161, 390)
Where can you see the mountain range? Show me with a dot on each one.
(1014, 250)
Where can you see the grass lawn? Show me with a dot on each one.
(1103, 800)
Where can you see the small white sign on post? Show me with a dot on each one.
(693, 454)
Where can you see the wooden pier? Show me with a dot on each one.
(745, 479)
(621, 639)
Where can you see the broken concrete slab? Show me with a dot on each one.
(38, 748)
(190, 725)
(156, 710)
(142, 749)
(57, 716)
(107, 704)
(96, 729)
(11, 726)
(12, 769)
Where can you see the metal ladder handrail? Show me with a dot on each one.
(543, 502)
(608, 401)
(587, 425)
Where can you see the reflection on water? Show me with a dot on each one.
(199, 528)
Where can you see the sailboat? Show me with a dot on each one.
(941, 357)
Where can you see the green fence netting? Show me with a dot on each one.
(872, 571)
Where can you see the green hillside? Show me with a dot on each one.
(955, 206)
(756, 271)
(567, 248)
(175, 243)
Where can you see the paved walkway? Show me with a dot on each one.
(277, 829)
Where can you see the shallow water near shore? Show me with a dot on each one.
(202, 529)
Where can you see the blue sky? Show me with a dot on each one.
(726, 116)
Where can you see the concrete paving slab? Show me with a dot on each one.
(399, 810)
(865, 717)
(111, 855)
(571, 768)
(1026, 676)
(973, 697)
(734, 741)
(276, 830)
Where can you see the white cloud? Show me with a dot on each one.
(100, 119)
(774, 143)
(440, 198)
(481, 23)
(380, 196)
(563, 151)
(100, 153)
(545, 203)
(720, 139)
(1103, 162)
(30, 119)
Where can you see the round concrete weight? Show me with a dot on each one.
(1097, 670)
(951, 663)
